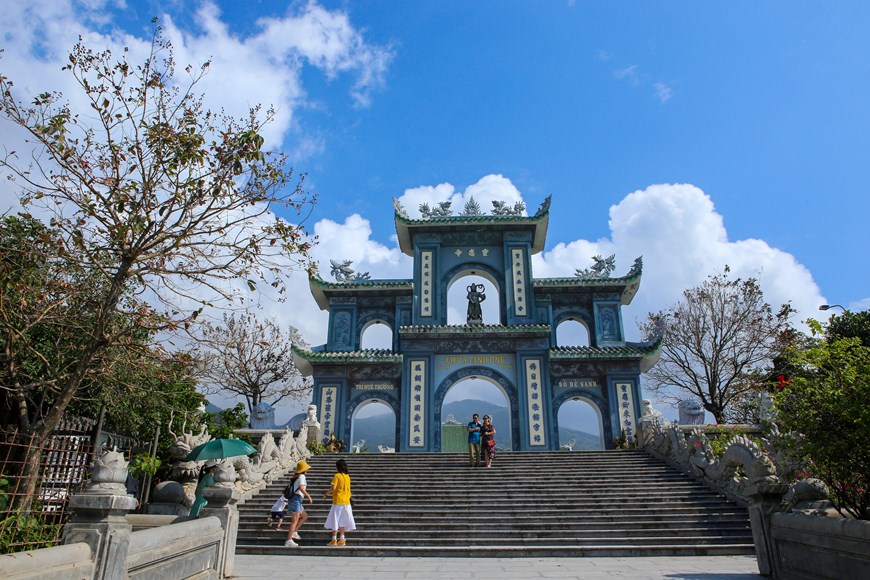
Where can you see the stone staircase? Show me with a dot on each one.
(529, 504)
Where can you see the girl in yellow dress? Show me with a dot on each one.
(340, 518)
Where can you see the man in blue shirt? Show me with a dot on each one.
(474, 442)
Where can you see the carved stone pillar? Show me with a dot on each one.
(766, 499)
(223, 500)
(99, 517)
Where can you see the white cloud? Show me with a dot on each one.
(264, 67)
(675, 227)
(488, 189)
(682, 239)
(662, 92)
(628, 73)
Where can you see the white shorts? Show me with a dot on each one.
(340, 516)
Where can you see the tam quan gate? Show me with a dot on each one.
(519, 354)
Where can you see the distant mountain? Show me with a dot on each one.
(463, 410)
(376, 430)
(583, 441)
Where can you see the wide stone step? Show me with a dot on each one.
(621, 550)
(476, 522)
(529, 504)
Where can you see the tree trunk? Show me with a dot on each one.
(29, 475)
(43, 430)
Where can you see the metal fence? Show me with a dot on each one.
(65, 462)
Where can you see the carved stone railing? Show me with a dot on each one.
(272, 460)
(99, 543)
(783, 510)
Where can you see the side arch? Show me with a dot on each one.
(599, 404)
(370, 318)
(582, 317)
(493, 376)
(358, 401)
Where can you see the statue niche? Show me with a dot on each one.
(475, 297)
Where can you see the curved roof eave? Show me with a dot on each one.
(320, 288)
(627, 285)
(539, 222)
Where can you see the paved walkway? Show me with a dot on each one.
(336, 568)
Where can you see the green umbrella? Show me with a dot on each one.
(220, 449)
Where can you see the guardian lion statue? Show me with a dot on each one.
(263, 416)
(691, 412)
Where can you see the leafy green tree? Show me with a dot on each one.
(224, 423)
(850, 324)
(146, 192)
(824, 416)
(718, 340)
(141, 394)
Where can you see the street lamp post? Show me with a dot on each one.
(829, 306)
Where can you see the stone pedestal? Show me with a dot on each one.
(223, 504)
(766, 499)
(314, 433)
(99, 520)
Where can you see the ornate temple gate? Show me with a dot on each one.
(519, 352)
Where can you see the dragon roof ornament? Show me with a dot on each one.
(342, 272)
(545, 206)
(501, 208)
(400, 210)
(601, 268)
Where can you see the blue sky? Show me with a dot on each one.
(695, 134)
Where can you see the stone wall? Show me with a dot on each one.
(70, 562)
(819, 547)
(184, 550)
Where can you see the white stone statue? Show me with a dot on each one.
(263, 416)
(312, 424)
(569, 446)
(691, 412)
(357, 447)
(109, 473)
(384, 449)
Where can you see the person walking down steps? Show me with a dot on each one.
(340, 518)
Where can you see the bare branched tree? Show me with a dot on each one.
(718, 340)
(149, 193)
(251, 358)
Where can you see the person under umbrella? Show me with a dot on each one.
(206, 479)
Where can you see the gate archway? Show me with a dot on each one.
(507, 435)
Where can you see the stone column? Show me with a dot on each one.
(765, 500)
(99, 517)
(223, 500)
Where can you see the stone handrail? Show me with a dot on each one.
(59, 562)
(184, 550)
(790, 539)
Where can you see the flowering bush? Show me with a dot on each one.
(824, 417)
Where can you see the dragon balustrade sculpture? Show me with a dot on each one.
(744, 462)
(245, 473)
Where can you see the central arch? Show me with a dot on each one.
(493, 304)
(492, 376)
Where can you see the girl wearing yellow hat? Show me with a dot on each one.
(295, 492)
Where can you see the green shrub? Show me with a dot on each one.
(144, 465)
(19, 533)
(317, 448)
